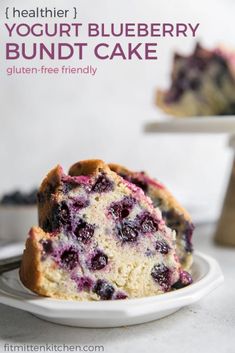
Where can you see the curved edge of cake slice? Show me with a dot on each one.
(30, 272)
(99, 238)
(175, 216)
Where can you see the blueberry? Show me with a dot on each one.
(128, 232)
(46, 225)
(69, 186)
(172, 219)
(99, 261)
(184, 280)
(194, 84)
(148, 224)
(69, 258)
(83, 283)
(80, 203)
(116, 210)
(102, 184)
(140, 183)
(162, 247)
(47, 246)
(161, 275)
(63, 213)
(84, 231)
(60, 216)
(103, 289)
(121, 209)
(173, 94)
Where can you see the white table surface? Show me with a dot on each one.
(208, 326)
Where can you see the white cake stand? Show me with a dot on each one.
(225, 233)
(215, 124)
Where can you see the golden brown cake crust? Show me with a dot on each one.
(88, 167)
(30, 272)
(53, 179)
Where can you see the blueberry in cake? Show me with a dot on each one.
(202, 83)
(175, 216)
(99, 238)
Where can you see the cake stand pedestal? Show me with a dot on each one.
(225, 232)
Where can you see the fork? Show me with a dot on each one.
(10, 263)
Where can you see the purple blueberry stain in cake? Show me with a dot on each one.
(184, 280)
(161, 275)
(69, 258)
(121, 209)
(147, 223)
(102, 184)
(128, 232)
(120, 296)
(47, 248)
(84, 231)
(162, 247)
(70, 183)
(80, 203)
(76, 180)
(84, 283)
(103, 289)
(98, 261)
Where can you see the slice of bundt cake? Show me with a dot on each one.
(175, 216)
(99, 238)
(202, 83)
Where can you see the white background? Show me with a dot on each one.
(54, 119)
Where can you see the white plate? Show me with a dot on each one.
(10, 250)
(206, 273)
(210, 124)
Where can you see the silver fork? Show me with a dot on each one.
(10, 263)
